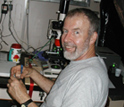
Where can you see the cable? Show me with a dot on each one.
(2, 40)
(9, 26)
(10, 20)
(1, 18)
(1, 46)
(41, 47)
(18, 42)
(40, 50)
(19, 38)
(11, 30)
(2, 23)
(28, 2)
(3, 29)
(17, 34)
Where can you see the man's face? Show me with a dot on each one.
(75, 39)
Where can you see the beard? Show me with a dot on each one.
(78, 52)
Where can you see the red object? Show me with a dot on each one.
(31, 87)
(57, 42)
(16, 46)
(16, 57)
(31, 83)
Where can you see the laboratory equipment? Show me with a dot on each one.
(55, 52)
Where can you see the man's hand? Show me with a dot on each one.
(17, 90)
(16, 72)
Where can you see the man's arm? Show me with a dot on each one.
(43, 82)
(17, 89)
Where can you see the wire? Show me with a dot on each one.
(41, 47)
(19, 38)
(1, 45)
(1, 18)
(11, 30)
(30, 60)
(18, 42)
(29, 46)
(2, 23)
(1, 31)
(28, 2)
(11, 22)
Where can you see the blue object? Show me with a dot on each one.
(40, 56)
(21, 68)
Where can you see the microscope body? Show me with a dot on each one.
(55, 52)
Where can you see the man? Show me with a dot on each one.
(84, 82)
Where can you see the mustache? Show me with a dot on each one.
(69, 44)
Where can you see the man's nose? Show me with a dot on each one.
(67, 37)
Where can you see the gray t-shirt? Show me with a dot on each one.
(82, 83)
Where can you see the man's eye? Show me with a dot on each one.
(64, 31)
(76, 32)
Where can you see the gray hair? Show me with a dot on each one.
(92, 17)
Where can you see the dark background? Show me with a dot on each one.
(111, 27)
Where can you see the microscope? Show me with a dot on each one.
(55, 52)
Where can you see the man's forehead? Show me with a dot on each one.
(80, 17)
(76, 22)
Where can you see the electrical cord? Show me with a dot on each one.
(3, 29)
(9, 25)
(12, 32)
(10, 22)
(28, 2)
(41, 47)
(1, 18)
(3, 11)
(1, 34)
(19, 38)
(30, 60)
(18, 42)
(1, 46)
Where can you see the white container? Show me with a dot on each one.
(15, 53)
(117, 72)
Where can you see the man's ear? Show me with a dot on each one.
(93, 38)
